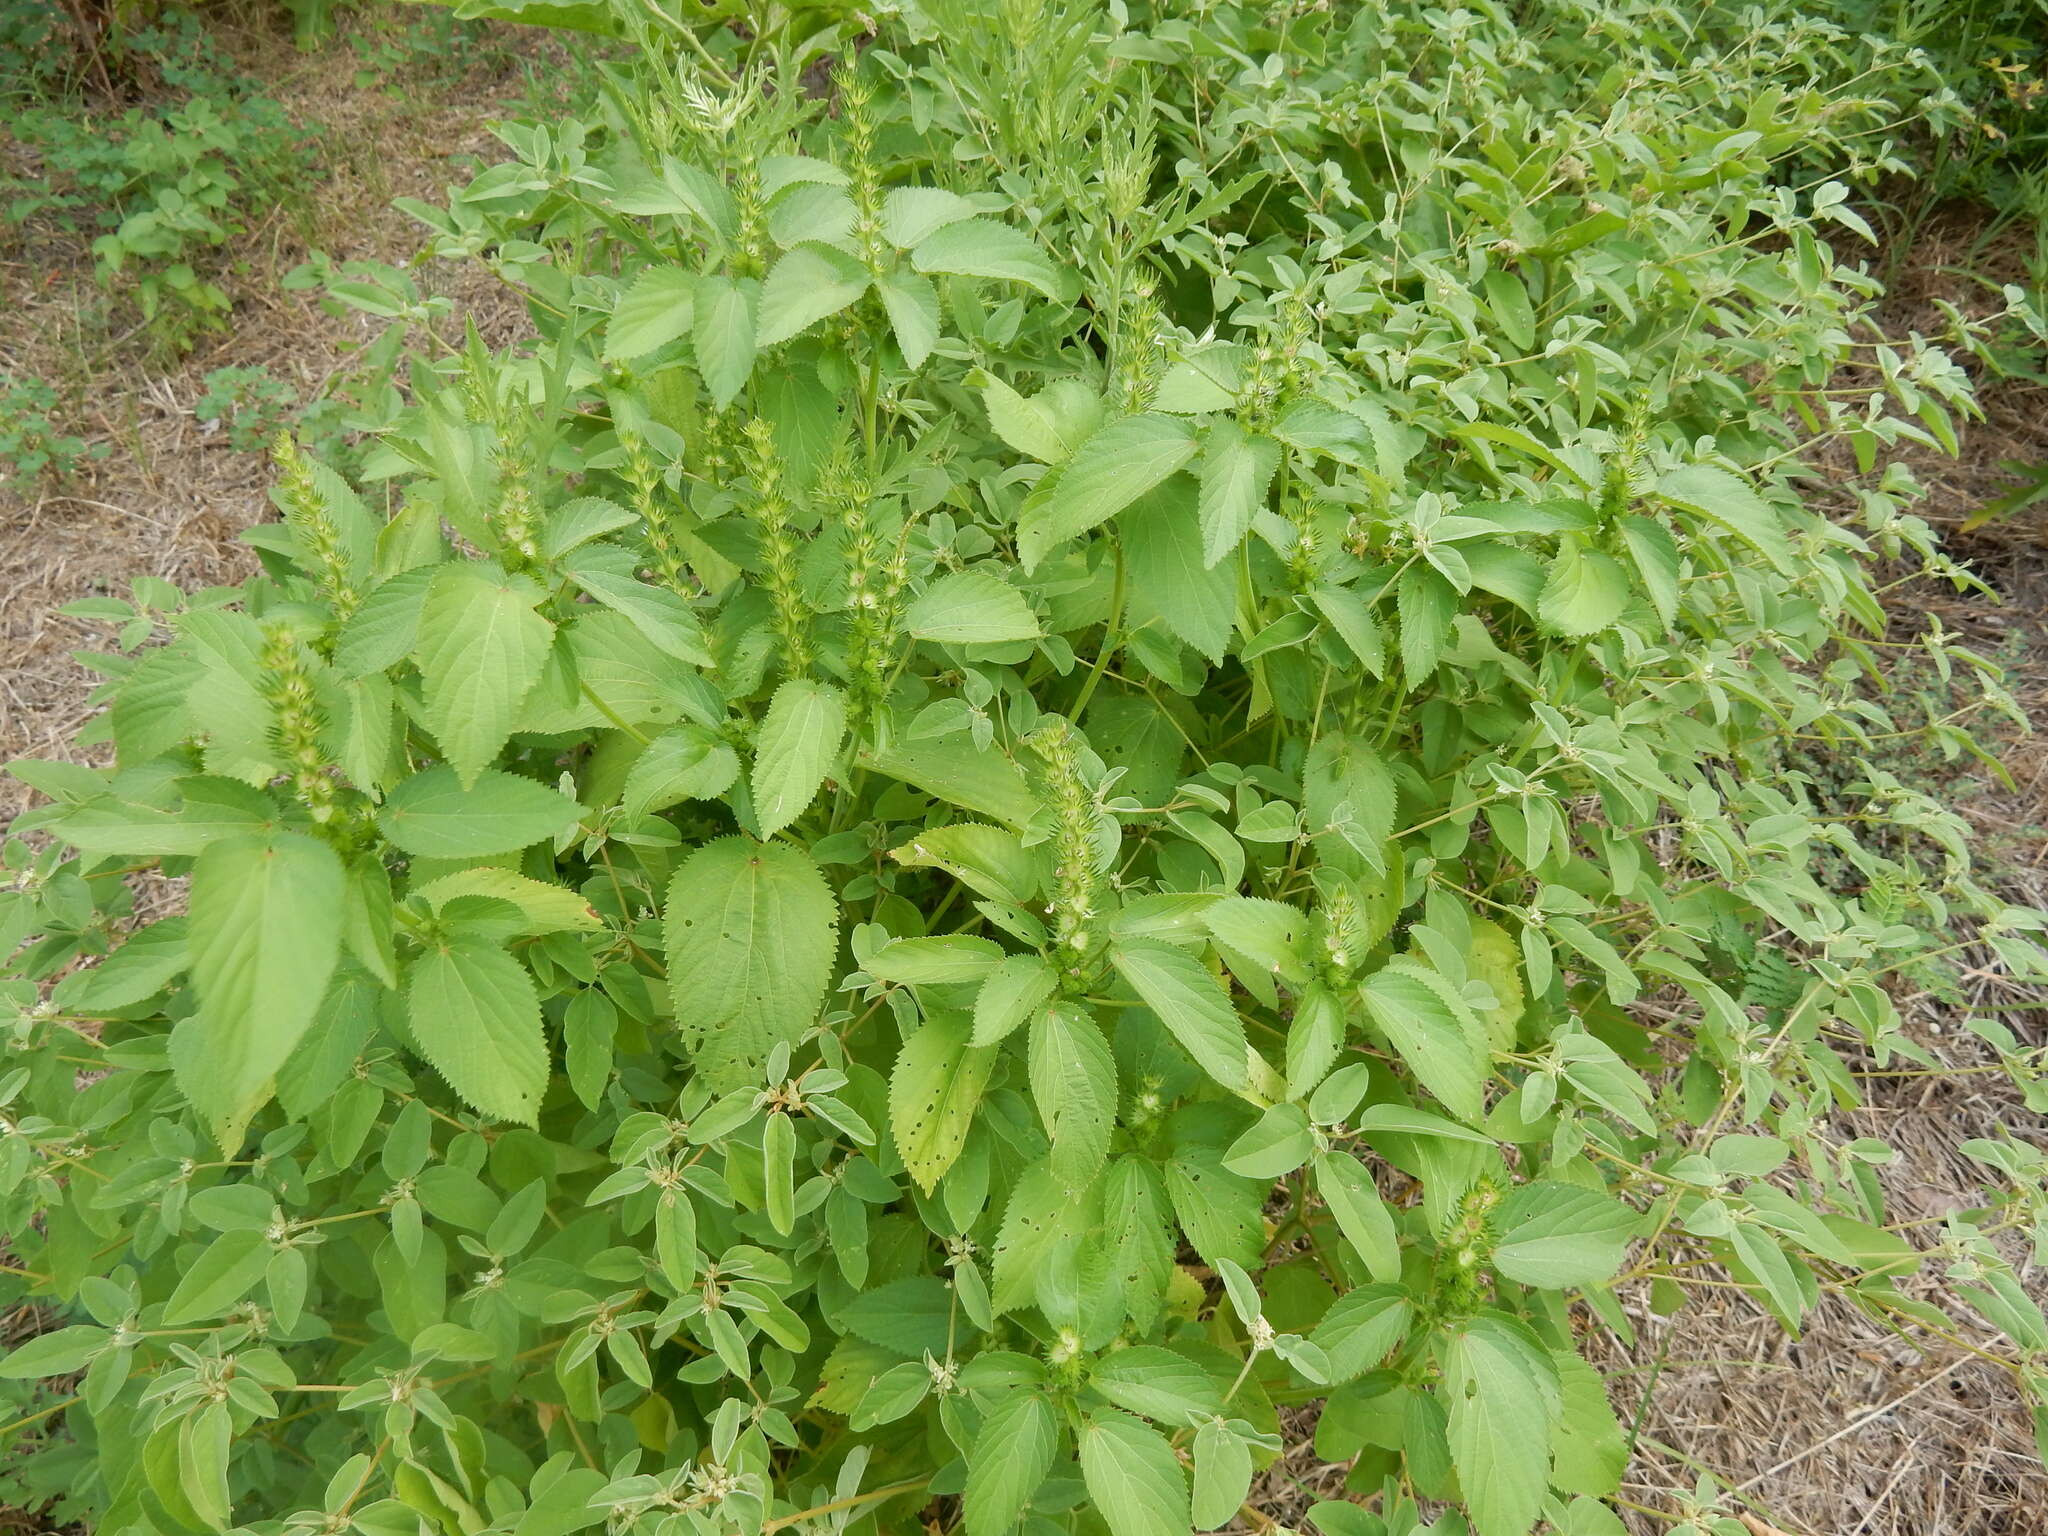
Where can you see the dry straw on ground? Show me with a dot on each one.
(1846, 1431)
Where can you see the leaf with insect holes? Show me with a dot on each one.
(933, 1094)
(751, 931)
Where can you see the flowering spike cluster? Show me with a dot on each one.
(750, 252)
(856, 96)
(1129, 157)
(1467, 1246)
(778, 547)
(1278, 367)
(657, 517)
(1305, 559)
(1077, 884)
(1141, 350)
(877, 577)
(1625, 470)
(1342, 934)
(310, 516)
(514, 520)
(288, 688)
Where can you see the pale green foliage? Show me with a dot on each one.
(1099, 742)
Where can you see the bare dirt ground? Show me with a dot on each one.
(1849, 1430)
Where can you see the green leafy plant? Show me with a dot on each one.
(33, 447)
(252, 405)
(165, 183)
(1098, 745)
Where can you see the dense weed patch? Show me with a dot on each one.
(1114, 734)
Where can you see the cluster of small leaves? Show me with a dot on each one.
(1097, 745)
(164, 183)
(34, 447)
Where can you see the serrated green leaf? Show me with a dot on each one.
(1555, 1235)
(912, 304)
(1729, 500)
(1237, 469)
(658, 308)
(912, 215)
(1585, 592)
(1009, 994)
(984, 248)
(1437, 1035)
(1190, 1003)
(1073, 1084)
(1012, 1455)
(798, 744)
(724, 333)
(431, 815)
(263, 941)
(933, 1094)
(1361, 1214)
(1112, 469)
(475, 1014)
(1501, 1396)
(480, 651)
(751, 931)
(803, 287)
(1133, 1478)
(1167, 580)
(935, 960)
(971, 608)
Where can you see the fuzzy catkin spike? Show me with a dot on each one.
(856, 99)
(1341, 934)
(1140, 351)
(1626, 476)
(1305, 559)
(779, 548)
(1077, 882)
(657, 517)
(514, 519)
(1281, 365)
(309, 515)
(876, 582)
(288, 687)
(750, 256)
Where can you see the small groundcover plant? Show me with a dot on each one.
(1095, 754)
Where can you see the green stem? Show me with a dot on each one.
(1111, 632)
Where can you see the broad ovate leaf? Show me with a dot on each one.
(475, 1013)
(751, 930)
(263, 941)
(480, 650)
(933, 1094)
